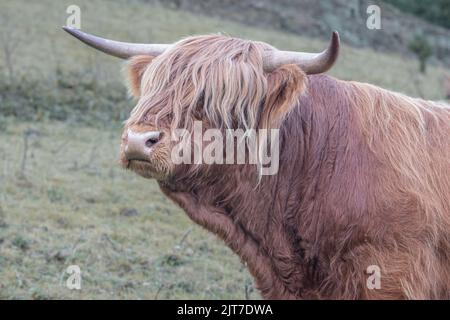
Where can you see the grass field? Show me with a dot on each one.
(65, 201)
(73, 205)
(45, 46)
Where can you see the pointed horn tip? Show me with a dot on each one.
(68, 29)
(335, 35)
(333, 49)
(72, 31)
(335, 40)
(330, 54)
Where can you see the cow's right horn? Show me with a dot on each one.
(118, 49)
(310, 63)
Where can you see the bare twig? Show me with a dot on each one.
(158, 291)
(10, 41)
(26, 136)
(19, 279)
(248, 289)
(61, 146)
(186, 234)
(24, 155)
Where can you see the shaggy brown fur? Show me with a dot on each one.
(364, 180)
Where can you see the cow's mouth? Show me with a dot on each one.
(137, 161)
(141, 167)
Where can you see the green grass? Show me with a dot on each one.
(45, 46)
(65, 207)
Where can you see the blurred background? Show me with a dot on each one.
(64, 200)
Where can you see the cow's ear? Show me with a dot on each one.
(136, 67)
(285, 85)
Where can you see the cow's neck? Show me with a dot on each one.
(279, 217)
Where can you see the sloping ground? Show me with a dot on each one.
(45, 47)
(314, 18)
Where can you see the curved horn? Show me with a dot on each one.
(118, 49)
(310, 63)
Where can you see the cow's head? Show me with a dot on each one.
(222, 81)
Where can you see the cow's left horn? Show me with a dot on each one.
(118, 49)
(310, 63)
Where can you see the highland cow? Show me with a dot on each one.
(363, 179)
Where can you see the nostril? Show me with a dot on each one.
(151, 142)
(152, 138)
